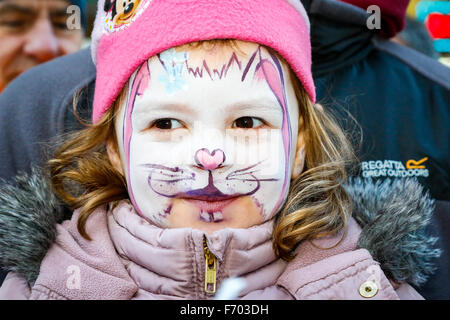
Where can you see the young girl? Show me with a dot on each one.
(206, 160)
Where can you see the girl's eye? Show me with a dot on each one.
(167, 124)
(247, 123)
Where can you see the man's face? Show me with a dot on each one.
(33, 32)
(207, 137)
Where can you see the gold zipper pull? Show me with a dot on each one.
(210, 270)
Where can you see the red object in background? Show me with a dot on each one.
(438, 25)
(393, 14)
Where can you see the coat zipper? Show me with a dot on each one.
(210, 269)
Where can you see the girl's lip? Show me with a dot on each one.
(211, 206)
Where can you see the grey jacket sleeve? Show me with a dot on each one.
(34, 109)
(37, 107)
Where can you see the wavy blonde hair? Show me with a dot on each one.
(80, 171)
(317, 204)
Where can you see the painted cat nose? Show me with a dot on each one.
(209, 161)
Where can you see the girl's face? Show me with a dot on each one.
(207, 137)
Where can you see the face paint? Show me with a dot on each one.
(210, 147)
(272, 72)
(173, 63)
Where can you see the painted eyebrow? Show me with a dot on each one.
(174, 107)
(261, 104)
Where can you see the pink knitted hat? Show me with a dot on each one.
(128, 32)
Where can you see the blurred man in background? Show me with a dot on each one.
(400, 99)
(33, 32)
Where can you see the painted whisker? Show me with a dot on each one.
(161, 167)
(250, 167)
(254, 180)
(165, 174)
(233, 174)
(171, 181)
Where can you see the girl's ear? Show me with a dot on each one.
(113, 155)
(299, 162)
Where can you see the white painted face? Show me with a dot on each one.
(207, 137)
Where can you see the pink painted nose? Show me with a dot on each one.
(209, 161)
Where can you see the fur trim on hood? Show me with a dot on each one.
(29, 212)
(392, 214)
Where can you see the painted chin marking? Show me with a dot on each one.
(211, 216)
(211, 211)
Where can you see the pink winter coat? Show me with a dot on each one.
(129, 258)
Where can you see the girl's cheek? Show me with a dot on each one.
(245, 211)
(149, 135)
(247, 148)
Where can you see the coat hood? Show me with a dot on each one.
(339, 34)
(393, 14)
(393, 216)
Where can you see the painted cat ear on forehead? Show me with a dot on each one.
(142, 78)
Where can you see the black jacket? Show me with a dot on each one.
(401, 101)
(400, 98)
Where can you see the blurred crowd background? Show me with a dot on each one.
(421, 33)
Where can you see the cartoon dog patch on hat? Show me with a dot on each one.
(121, 13)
